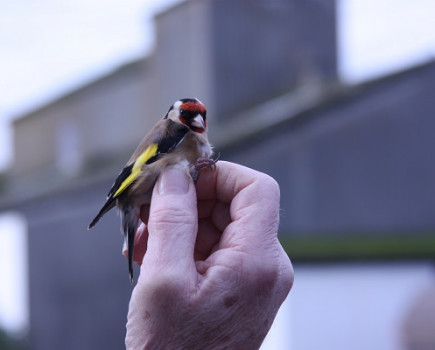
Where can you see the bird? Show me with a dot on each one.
(180, 138)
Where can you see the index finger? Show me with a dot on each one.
(254, 203)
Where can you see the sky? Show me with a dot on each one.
(50, 47)
(377, 37)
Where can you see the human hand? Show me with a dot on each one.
(213, 273)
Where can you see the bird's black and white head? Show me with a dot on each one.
(190, 112)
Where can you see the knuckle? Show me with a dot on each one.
(163, 218)
(163, 286)
(273, 274)
(286, 275)
(267, 275)
(269, 184)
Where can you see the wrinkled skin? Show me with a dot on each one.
(213, 273)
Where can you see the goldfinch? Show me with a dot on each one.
(179, 138)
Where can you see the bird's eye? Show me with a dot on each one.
(183, 113)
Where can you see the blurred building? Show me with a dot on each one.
(354, 162)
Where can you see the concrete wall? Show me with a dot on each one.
(182, 57)
(237, 54)
(262, 49)
(363, 163)
(99, 120)
(79, 284)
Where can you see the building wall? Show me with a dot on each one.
(99, 120)
(262, 49)
(78, 279)
(236, 54)
(182, 57)
(360, 164)
(34, 139)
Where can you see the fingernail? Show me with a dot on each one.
(173, 181)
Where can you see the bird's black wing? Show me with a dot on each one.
(172, 136)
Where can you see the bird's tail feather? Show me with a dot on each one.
(130, 220)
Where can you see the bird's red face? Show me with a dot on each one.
(190, 112)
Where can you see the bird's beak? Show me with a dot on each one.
(198, 122)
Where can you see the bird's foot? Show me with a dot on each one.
(201, 163)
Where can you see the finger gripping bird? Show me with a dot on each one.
(180, 138)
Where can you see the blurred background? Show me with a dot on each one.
(333, 98)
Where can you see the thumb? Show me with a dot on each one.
(173, 221)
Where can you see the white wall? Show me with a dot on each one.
(358, 307)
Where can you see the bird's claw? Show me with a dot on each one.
(202, 163)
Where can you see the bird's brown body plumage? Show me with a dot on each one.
(180, 138)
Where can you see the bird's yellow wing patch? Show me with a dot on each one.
(151, 151)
